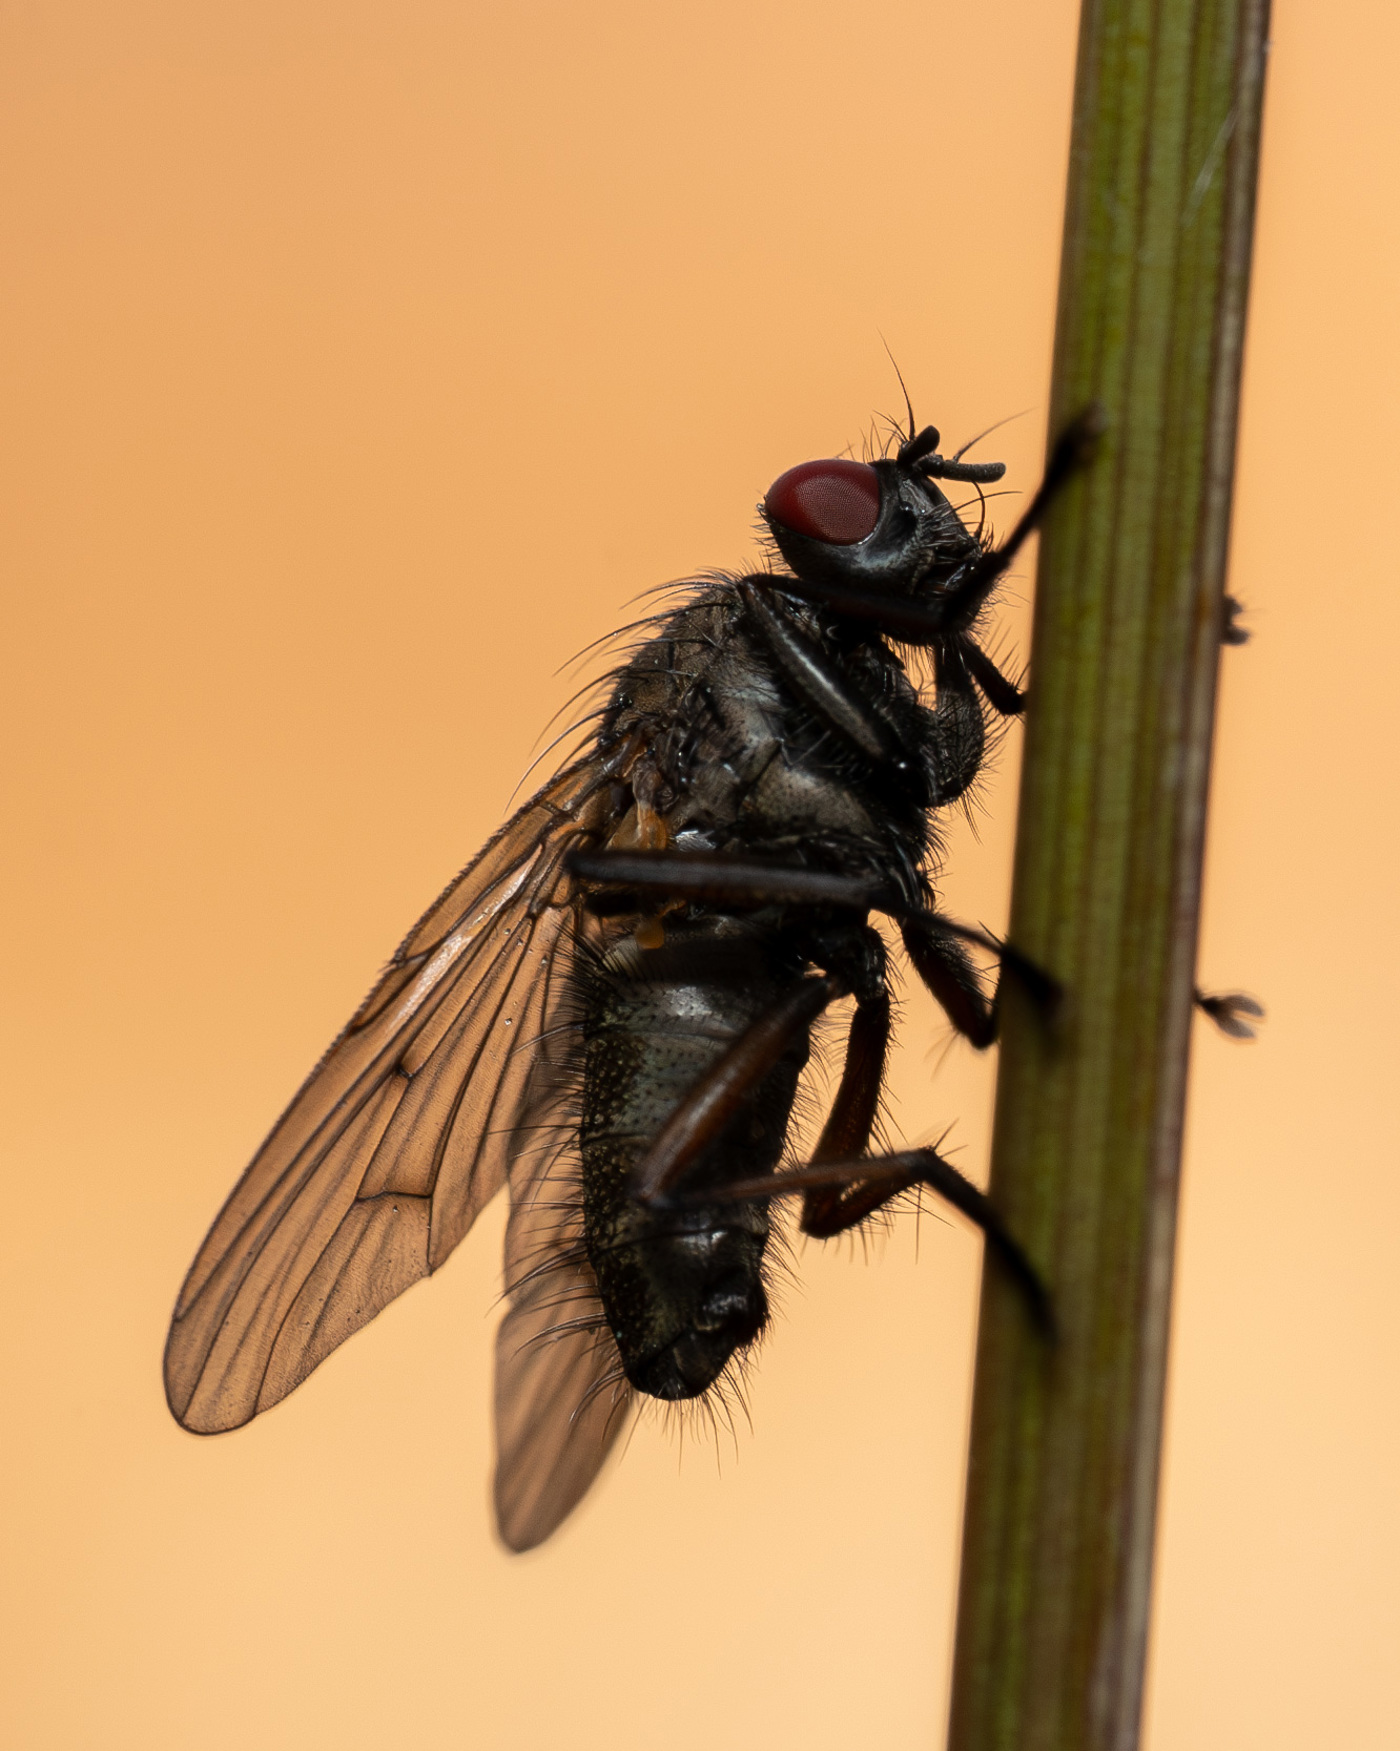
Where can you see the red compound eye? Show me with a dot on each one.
(830, 501)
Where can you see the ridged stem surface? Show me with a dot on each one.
(1062, 1488)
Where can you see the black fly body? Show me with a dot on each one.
(610, 1008)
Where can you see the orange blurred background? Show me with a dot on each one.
(365, 361)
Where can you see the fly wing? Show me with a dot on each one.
(561, 1396)
(400, 1135)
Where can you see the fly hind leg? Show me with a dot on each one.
(854, 958)
(841, 1186)
(837, 1195)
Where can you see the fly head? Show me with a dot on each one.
(879, 526)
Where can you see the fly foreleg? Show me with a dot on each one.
(1073, 451)
(821, 685)
(817, 680)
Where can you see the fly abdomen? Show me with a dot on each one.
(682, 1288)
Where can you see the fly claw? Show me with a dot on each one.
(1231, 631)
(1232, 1012)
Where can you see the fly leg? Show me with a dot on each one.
(853, 1112)
(957, 734)
(1231, 1011)
(819, 682)
(841, 1185)
(1073, 450)
(848, 1128)
(860, 1187)
(854, 957)
(717, 878)
(946, 968)
(704, 1114)
(935, 949)
(837, 1193)
(1002, 695)
(958, 730)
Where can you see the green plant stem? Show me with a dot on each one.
(1057, 1552)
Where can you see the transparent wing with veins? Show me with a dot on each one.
(402, 1133)
(562, 1399)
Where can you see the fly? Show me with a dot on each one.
(610, 1008)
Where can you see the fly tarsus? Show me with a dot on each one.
(1231, 632)
(1232, 1012)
